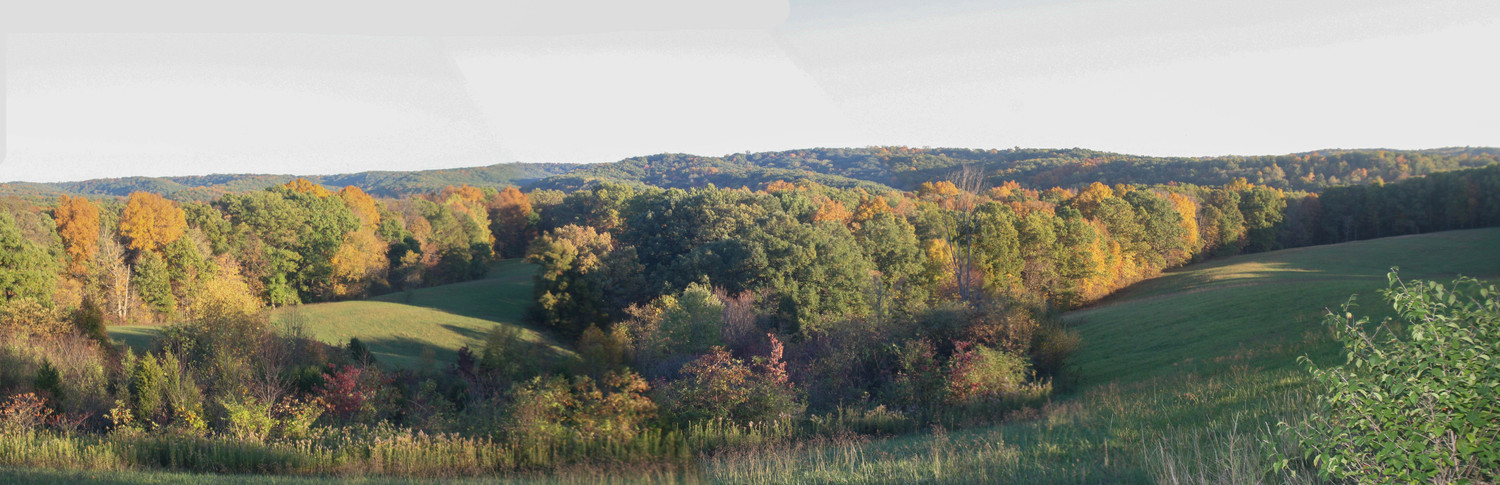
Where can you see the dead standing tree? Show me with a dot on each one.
(958, 228)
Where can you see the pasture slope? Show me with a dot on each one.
(399, 328)
(1249, 303)
(1179, 379)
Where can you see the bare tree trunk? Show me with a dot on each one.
(960, 235)
(117, 278)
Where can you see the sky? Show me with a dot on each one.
(174, 87)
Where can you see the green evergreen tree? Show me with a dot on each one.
(154, 281)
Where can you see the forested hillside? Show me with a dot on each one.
(906, 168)
(379, 183)
(871, 168)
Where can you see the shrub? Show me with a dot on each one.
(88, 319)
(358, 352)
(346, 394)
(508, 356)
(31, 316)
(977, 372)
(295, 417)
(1052, 348)
(48, 381)
(122, 420)
(603, 352)
(1007, 327)
(918, 381)
(146, 387)
(246, 418)
(24, 412)
(1415, 400)
(718, 386)
(187, 422)
(555, 409)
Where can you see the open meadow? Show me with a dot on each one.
(415, 330)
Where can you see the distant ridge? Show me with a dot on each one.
(377, 183)
(876, 168)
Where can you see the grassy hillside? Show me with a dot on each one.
(1180, 377)
(398, 328)
(1240, 304)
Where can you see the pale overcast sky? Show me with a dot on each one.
(283, 87)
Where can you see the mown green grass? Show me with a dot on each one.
(1250, 305)
(399, 328)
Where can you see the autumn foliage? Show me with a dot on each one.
(78, 226)
(150, 222)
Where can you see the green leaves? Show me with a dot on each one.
(1417, 407)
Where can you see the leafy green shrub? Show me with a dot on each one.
(246, 418)
(147, 384)
(977, 372)
(295, 418)
(508, 356)
(48, 380)
(1417, 400)
(918, 383)
(1051, 349)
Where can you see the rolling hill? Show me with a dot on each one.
(873, 168)
(1179, 378)
(376, 183)
(1248, 303)
(398, 328)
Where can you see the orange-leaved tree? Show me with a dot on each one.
(78, 225)
(510, 216)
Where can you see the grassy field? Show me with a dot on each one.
(1180, 379)
(1243, 308)
(400, 327)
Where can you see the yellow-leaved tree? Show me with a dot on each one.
(226, 295)
(359, 260)
(150, 222)
(362, 205)
(307, 186)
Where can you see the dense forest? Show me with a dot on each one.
(872, 168)
(824, 301)
(906, 168)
